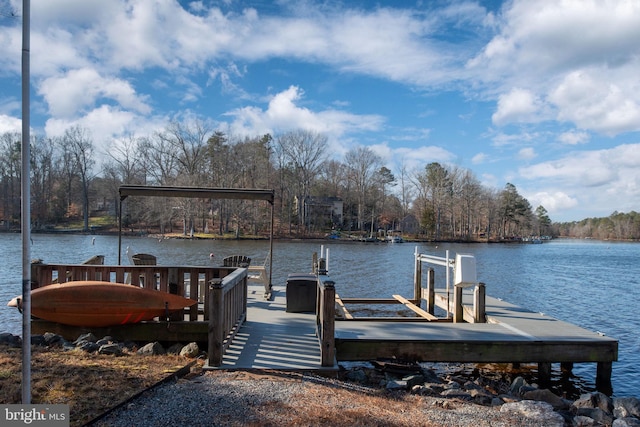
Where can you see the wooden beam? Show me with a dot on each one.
(369, 301)
(396, 319)
(479, 351)
(196, 192)
(415, 308)
(343, 309)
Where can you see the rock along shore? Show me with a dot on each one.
(514, 400)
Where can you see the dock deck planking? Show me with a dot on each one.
(272, 338)
(511, 335)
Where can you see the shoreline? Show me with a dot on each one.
(447, 398)
(203, 236)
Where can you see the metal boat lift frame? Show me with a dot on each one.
(199, 193)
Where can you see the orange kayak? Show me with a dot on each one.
(99, 304)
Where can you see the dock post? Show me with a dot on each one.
(174, 288)
(327, 320)
(216, 322)
(479, 303)
(431, 290)
(458, 311)
(36, 265)
(566, 367)
(314, 263)
(417, 282)
(603, 378)
(544, 374)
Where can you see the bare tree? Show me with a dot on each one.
(10, 166)
(303, 152)
(363, 165)
(189, 144)
(42, 179)
(80, 146)
(405, 189)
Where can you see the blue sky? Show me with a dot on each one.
(542, 94)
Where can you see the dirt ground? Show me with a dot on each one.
(89, 383)
(93, 384)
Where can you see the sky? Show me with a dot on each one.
(542, 94)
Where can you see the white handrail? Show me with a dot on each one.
(445, 262)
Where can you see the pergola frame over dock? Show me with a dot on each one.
(198, 193)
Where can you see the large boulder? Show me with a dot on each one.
(113, 349)
(152, 349)
(624, 407)
(89, 337)
(53, 339)
(190, 350)
(10, 339)
(545, 395)
(539, 413)
(595, 400)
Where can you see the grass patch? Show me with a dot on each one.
(90, 384)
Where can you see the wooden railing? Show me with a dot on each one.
(227, 312)
(326, 319)
(457, 310)
(221, 291)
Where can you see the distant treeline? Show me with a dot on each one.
(617, 226)
(315, 194)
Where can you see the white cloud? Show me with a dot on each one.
(396, 44)
(593, 102)
(598, 180)
(283, 113)
(553, 202)
(106, 124)
(69, 94)
(418, 158)
(571, 61)
(518, 106)
(581, 55)
(573, 137)
(10, 124)
(539, 39)
(10, 48)
(479, 158)
(527, 153)
(505, 139)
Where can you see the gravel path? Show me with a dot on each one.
(224, 398)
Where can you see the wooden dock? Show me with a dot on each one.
(243, 330)
(271, 338)
(511, 335)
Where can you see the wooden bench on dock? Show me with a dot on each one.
(236, 261)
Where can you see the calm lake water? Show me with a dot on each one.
(593, 284)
